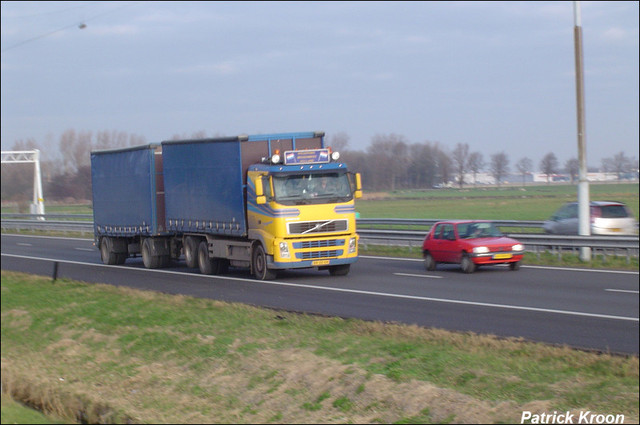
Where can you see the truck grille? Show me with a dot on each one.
(318, 254)
(318, 244)
(325, 226)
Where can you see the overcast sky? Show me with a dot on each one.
(499, 76)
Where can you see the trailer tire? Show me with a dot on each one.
(106, 252)
(259, 264)
(150, 261)
(206, 264)
(191, 252)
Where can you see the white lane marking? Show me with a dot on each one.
(24, 244)
(376, 257)
(419, 275)
(351, 291)
(569, 269)
(85, 249)
(4, 235)
(622, 290)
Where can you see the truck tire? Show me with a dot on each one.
(191, 252)
(259, 264)
(150, 261)
(206, 264)
(341, 270)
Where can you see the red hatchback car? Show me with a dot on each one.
(470, 244)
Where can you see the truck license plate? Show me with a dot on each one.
(320, 263)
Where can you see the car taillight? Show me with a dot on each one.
(595, 213)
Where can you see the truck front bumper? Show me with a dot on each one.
(316, 252)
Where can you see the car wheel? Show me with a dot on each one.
(467, 264)
(429, 262)
(514, 266)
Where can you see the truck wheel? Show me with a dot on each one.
(191, 252)
(106, 252)
(150, 261)
(206, 264)
(467, 264)
(259, 264)
(341, 270)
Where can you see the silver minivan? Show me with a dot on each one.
(607, 218)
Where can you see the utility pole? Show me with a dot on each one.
(584, 219)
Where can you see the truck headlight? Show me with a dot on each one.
(352, 245)
(284, 250)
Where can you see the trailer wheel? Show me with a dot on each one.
(106, 252)
(191, 252)
(206, 264)
(259, 264)
(150, 261)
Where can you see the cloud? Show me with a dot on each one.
(220, 68)
(616, 34)
(112, 29)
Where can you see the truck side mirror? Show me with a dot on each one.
(260, 198)
(358, 192)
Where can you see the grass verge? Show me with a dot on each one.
(97, 353)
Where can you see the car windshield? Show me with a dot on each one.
(478, 230)
(300, 189)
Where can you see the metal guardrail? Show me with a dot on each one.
(52, 225)
(406, 236)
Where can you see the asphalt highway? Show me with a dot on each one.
(581, 308)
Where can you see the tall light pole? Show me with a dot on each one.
(584, 219)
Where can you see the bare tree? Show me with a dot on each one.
(619, 164)
(549, 165)
(390, 154)
(572, 167)
(423, 165)
(476, 164)
(339, 142)
(75, 149)
(524, 166)
(460, 159)
(499, 166)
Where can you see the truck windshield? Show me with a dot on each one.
(299, 189)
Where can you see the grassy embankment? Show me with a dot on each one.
(98, 353)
